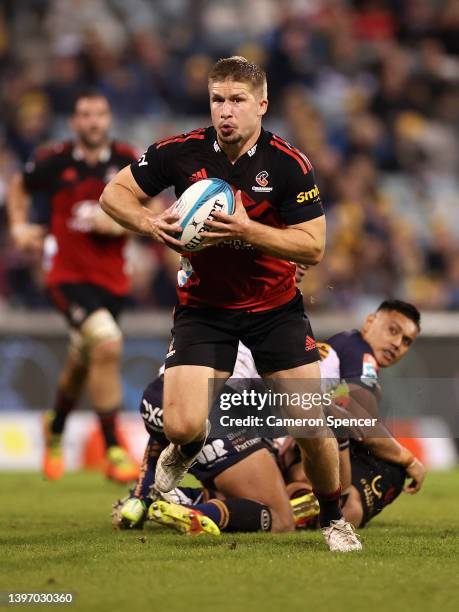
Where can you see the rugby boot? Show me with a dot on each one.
(172, 466)
(306, 511)
(182, 519)
(341, 537)
(129, 513)
(53, 456)
(120, 467)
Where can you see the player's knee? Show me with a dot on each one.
(182, 431)
(107, 352)
(102, 337)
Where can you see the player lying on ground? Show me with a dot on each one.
(86, 278)
(242, 286)
(375, 466)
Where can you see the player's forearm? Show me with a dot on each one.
(124, 207)
(17, 203)
(289, 243)
(389, 449)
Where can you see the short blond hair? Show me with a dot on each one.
(238, 68)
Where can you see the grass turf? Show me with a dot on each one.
(56, 536)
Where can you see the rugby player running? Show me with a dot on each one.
(242, 287)
(86, 272)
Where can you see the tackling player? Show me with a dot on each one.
(86, 275)
(242, 287)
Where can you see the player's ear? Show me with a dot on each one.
(368, 322)
(263, 107)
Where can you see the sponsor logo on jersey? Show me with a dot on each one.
(305, 196)
(369, 375)
(310, 344)
(198, 176)
(142, 161)
(69, 175)
(251, 152)
(262, 180)
(153, 415)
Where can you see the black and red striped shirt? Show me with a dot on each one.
(72, 185)
(278, 189)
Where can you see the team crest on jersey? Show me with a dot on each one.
(369, 375)
(262, 182)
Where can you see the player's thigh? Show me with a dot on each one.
(281, 340)
(257, 477)
(188, 394)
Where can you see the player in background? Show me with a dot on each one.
(242, 286)
(86, 271)
(373, 464)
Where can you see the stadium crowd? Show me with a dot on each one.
(368, 89)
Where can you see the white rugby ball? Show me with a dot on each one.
(197, 204)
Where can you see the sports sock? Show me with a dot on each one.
(63, 405)
(147, 471)
(236, 514)
(330, 509)
(192, 448)
(108, 422)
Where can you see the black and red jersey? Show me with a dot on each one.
(73, 187)
(278, 189)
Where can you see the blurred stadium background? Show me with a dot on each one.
(368, 89)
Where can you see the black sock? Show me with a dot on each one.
(243, 515)
(192, 448)
(63, 405)
(330, 509)
(108, 422)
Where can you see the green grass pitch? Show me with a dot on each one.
(56, 536)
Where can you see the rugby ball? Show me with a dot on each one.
(197, 204)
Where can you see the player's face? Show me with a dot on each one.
(236, 109)
(91, 121)
(390, 334)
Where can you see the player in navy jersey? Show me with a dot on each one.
(373, 464)
(242, 286)
(86, 270)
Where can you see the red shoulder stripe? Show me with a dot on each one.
(280, 146)
(192, 136)
(179, 136)
(294, 149)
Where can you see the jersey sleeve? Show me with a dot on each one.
(301, 200)
(357, 362)
(154, 170)
(40, 172)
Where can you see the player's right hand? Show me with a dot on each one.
(28, 237)
(162, 227)
(417, 472)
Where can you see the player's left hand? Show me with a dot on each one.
(417, 472)
(228, 227)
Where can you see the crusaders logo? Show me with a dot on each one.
(262, 178)
(262, 182)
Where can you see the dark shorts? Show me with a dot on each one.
(218, 454)
(79, 300)
(279, 339)
(378, 482)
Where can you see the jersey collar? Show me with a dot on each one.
(212, 137)
(104, 155)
